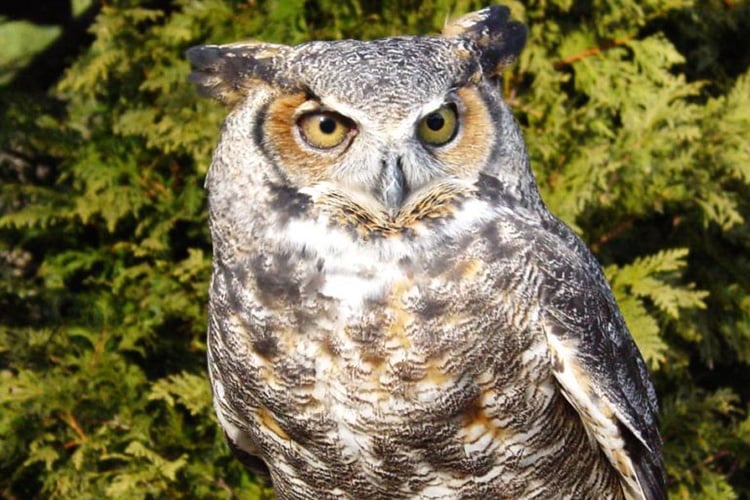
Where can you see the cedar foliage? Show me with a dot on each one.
(637, 115)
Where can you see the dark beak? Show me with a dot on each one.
(392, 187)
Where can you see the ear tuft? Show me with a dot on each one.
(498, 38)
(224, 72)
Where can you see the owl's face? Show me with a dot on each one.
(380, 129)
(380, 140)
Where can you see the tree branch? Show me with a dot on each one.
(590, 52)
(71, 422)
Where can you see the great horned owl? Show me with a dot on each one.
(394, 313)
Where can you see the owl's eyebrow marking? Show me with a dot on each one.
(310, 95)
(314, 103)
(449, 98)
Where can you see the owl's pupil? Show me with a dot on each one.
(435, 122)
(327, 125)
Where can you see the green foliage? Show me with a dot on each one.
(637, 116)
(653, 280)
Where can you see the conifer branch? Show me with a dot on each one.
(590, 52)
(610, 235)
(715, 456)
(71, 422)
(521, 106)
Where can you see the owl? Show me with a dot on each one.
(394, 313)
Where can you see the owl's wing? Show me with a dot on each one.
(597, 364)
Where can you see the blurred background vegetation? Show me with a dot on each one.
(637, 115)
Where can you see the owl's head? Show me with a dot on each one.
(380, 126)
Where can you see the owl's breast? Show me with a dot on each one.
(412, 370)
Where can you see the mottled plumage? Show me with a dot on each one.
(393, 312)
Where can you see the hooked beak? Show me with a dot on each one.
(392, 185)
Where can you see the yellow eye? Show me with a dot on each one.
(439, 127)
(323, 129)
